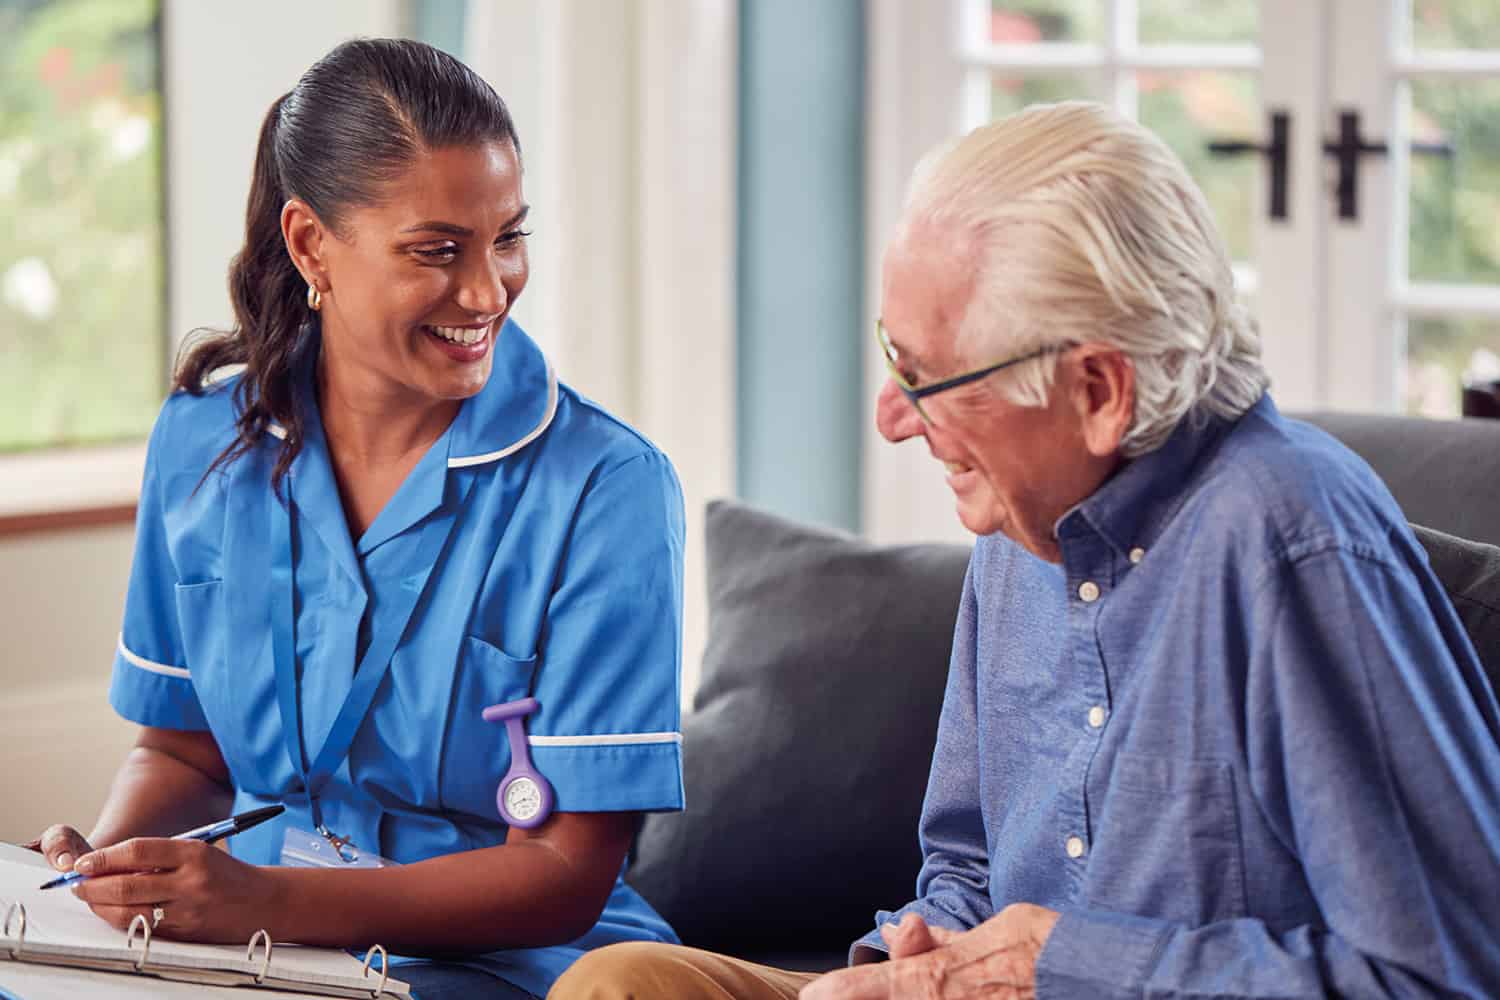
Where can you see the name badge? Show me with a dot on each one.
(306, 849)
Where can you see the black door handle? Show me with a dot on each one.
(1349, 147)
(1276, 153)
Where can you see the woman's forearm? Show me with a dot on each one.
(520, 895)
(155, 794)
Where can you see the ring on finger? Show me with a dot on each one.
(158, 914)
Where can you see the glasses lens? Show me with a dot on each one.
(893, 358)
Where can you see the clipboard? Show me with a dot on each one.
(57, 929)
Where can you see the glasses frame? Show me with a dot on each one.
(915, 394)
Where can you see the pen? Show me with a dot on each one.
(208, 834)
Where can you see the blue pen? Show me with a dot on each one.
(208, 834)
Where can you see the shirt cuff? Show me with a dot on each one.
(613, 778)
(161, 697)
(1108, 956)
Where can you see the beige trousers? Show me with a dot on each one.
(644, 970)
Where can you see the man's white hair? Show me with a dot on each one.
(1084, 227)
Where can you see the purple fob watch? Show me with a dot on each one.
(524, 797)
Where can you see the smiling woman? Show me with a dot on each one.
(385, 524)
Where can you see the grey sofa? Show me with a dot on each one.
(808, 744)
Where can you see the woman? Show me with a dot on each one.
(393, 518)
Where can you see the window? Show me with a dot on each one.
(82, 299)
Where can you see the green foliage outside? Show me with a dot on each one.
(1454, 199)
(82, 329)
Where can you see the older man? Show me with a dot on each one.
(1211, 726)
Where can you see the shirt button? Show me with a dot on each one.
(1075, 847)
(1096, 716)
(1137, 554)
(1089, 591)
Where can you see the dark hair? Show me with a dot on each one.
(353, 123)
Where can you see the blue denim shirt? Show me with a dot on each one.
(1238, 738)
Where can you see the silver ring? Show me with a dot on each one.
(157, 916)
(138, 925)
(385, 969)
(265, 962)
(18, 911)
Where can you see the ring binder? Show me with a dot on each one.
(49, 928)
(17, 908)
(265, 962)
(385, 969)
(139, 920)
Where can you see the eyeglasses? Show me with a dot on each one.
(915, 393)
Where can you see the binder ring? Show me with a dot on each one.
(17, 910)
(139, 921)
(265, 962)
(385, 969)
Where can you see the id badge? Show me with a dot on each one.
(306, 849)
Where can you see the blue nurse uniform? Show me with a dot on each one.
(559, 576)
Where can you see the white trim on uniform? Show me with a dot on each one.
(604, 740)
(150, 665)
(459, 463)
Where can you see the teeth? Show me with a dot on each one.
(955, 466)
(459, 334)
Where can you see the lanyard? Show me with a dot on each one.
(387, 631)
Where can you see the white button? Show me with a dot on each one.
(1096, 716)
(1075, 847)
(1137, 554)
(1089, 591)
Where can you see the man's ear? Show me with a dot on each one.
(1103, 393)
(305, 234)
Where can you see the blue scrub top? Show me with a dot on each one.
(561, 578)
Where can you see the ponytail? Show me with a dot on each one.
(272, 326)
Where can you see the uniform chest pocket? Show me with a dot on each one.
(476, 754)
(1166, 840)
(200, 619)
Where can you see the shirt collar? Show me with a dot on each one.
(1133, 507)
(515, 407)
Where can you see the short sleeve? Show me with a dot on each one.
(608, 732)
(151, 684)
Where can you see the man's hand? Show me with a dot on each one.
(996, 961)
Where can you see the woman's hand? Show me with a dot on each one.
(203, 893)
(61, 845)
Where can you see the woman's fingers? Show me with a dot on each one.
(140, 854)
(139, 889)
(61, 845)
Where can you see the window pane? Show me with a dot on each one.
(81, 286)
(1045, 21)
(1214, 22)
(1441, 355)
(1010, 93)
(1455, 191)
(1456, 24)
(1189, 110)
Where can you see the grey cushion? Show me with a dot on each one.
(1444, 473)
(807, 750)
(1470, 573)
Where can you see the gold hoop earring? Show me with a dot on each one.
(314, 298)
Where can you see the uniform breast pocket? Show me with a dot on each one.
(1166, 840)
(476, 753)
(200, 618)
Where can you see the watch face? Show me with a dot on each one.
(523, 799)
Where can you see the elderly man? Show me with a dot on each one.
(1211, 727)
